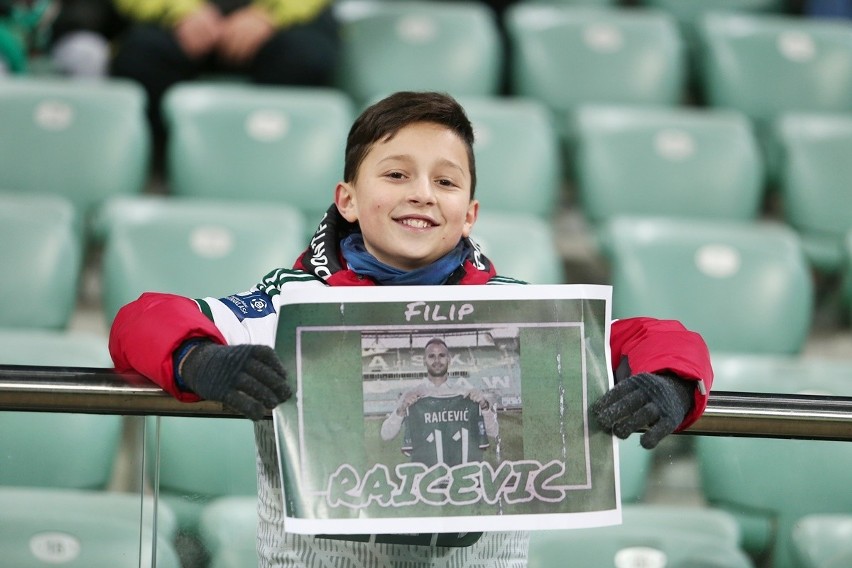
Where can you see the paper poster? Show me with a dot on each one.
(445, 409)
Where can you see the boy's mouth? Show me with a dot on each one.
(416, 222)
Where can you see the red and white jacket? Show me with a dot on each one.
(147, 331)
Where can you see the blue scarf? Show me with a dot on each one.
(364, 263)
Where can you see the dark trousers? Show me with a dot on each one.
(304, 54)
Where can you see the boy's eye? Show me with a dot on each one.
(395, 175)
(446, 182)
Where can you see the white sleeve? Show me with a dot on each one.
(247, 317)
(391, 426)
(252, 316)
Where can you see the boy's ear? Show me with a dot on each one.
(470, 217)
(344, 198)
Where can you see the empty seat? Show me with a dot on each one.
(82, 530)
(520, 246)
(814, 175)
(667, 162)
(58, 449)
(85, 140)
(228, 529)
(392, 46)
(71, 348)
(518, 160)
(846, 278)
(745, 287)
(753, 478)
(765, 65)
(251, 142)
(200, 460)
(823, 541)
(648, 536)
(566, 56)
(40, 245)
(689, 12)
(194, 247)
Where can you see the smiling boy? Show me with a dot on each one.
(402, 216)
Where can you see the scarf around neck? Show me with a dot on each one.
(362, 262)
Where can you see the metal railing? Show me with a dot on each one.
(103, 391)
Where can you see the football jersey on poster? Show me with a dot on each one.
(448, 430)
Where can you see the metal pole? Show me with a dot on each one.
(103, 391)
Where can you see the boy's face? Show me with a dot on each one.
(411, 196)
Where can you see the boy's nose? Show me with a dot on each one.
(422, 191)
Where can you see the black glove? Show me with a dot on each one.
(247, 378)
(657, 401)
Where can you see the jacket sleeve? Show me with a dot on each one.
(652, 346)
(148, 330)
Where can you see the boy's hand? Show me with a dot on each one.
(247, 378)
(657, 401)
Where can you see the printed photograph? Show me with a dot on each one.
(419, 415)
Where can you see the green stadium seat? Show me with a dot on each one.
(40, 244)
(518, 160)
(635, 463)
(194, 247)
(846, 278)
(520, 246)
(688, 13)
(667, 162)
(814, 177)
(577, 2)
(753, 478)
(765, 65)
(58, 449)
(566, 56)
(823, 541)
(41, 347)
(200, 460)
(235, 557)
(81, 529)
(228, 529)
(649, 536)
(745, 286)
(85, 140)
(252, 142)
(392, 46)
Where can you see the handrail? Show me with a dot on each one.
(103, 391)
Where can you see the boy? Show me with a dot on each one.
(402, 215)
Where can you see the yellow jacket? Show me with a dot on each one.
(283, 13)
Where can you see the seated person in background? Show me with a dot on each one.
(276, 42)
(402, 215)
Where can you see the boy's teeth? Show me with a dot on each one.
(416, 223)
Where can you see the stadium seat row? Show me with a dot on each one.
(237, 141)
(568, 55)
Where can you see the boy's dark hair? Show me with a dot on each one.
(384, 119)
